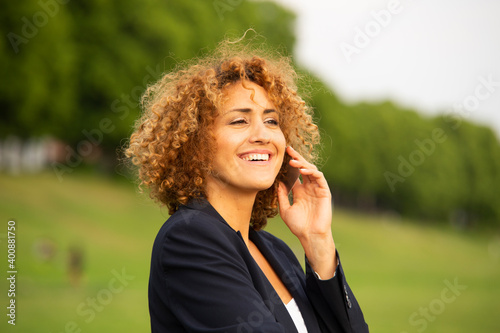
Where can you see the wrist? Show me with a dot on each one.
(334, 273)
(321, 255)
(317, 240)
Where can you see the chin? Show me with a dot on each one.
(258, 183)
(264, 186)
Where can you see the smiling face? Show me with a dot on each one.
(249, 142)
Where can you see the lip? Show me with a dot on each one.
(257, 151)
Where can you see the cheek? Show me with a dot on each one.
(227, 143)
(221, 140)
(280, 142)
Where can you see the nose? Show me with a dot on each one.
(260, 134)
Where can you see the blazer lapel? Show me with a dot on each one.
(280, 312)
(293, 279)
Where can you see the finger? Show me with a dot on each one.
(312, 175)
(302, 165)
(295, 154)
(283, 198)
(298, 160)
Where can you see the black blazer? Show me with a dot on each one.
(204, 279)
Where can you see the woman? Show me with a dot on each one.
(215, 146)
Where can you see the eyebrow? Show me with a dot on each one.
(247, 110)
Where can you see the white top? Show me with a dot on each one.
(294, 312)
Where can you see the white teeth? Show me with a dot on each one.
(256, 157)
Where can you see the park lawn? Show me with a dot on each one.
(408, 277)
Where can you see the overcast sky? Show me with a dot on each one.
(432, 56)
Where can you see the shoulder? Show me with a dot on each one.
(196, 242)
(187, 219)
(189, 230)
(195, 222)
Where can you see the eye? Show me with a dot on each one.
(272, 121)
(238, 121)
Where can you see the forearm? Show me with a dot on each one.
(320, 252)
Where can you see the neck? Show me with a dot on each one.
(235, 208)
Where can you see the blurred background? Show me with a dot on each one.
(407, 97)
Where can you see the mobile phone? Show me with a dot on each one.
(291, 175)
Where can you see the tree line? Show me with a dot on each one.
(379, 156)
(76, 70)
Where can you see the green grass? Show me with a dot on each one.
(395, 267)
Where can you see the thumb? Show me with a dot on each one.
(283, 198)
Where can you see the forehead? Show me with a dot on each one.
(245, 95)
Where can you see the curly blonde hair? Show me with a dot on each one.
(173, 141)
